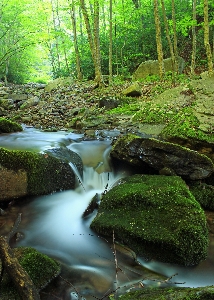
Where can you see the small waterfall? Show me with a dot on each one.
(78, 176)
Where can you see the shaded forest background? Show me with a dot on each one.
(45, 39)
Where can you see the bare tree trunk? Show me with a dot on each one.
(206, 38)
(98, 74)
(110, 42)
(73, 19)
(93, 39)
(169, 40)
(175, 36)
(193, 38)
(57, 43)
(158, 39)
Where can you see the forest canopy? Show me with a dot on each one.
(45, 39)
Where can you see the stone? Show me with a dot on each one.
(157, 217)
(7, 126)
(33, 101)
(182, 161)
(133, 90)
(151, 67)
(18, 97)
(37, 173)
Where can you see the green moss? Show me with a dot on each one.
(41, 269)
(202, 293)
(204, 194)
(157, 217)
(126, 109)
(45, 173)
(185, 125)
(7, 126)
(154, 113)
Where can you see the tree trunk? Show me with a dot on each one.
(98, 74)
(110, 42)
(93, 39)
(175, 36)
(169, 40)
(158, 39)
(73, 19)
(193, 38)
(206, 38)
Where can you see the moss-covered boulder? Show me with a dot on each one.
(160, 155)
(25, 173)
(7, 126)
(41, 269)
(173, 293)
(157, 217)
(204, 194)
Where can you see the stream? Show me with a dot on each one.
(53, 224)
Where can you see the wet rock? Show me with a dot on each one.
(159, 155)
(157, 217)
(68, 156)
(36, 173)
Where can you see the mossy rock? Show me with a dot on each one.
(42, 173)
(201, 293)
(157, 217)
(185, 125)
(41, 269)
(204, 194)
(7, 126)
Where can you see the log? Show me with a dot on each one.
(22, 281)
(18, 275)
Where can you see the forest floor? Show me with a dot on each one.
(65, 104)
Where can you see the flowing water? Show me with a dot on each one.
(53, 224)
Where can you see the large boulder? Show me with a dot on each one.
(151, 67)
(157, 217)
(25, 173)
(162, 156)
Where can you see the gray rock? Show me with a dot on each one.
(151, 67)
(159, 155)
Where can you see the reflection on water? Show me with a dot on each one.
(53, 225)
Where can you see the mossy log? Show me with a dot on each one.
(19, 276)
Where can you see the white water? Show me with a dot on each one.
(53, 223)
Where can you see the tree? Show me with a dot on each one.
(169, 39)
(193, 37)
(110, 42)
(206, 38)
(158, 39)
(93, 37)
